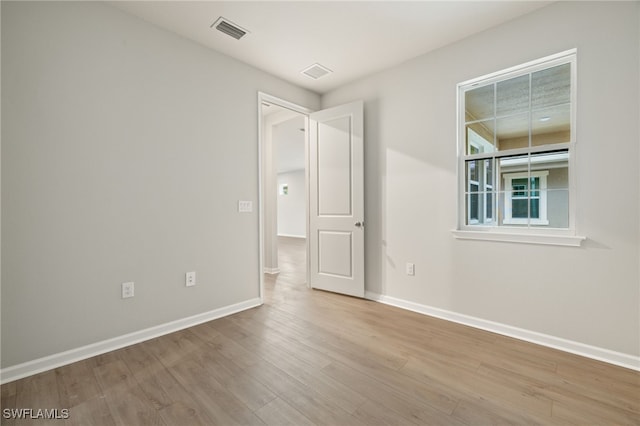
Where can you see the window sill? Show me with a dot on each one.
(508, 237)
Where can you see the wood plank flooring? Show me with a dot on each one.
(314, 358)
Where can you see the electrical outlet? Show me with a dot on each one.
(190, 279)
(411, 269)
(127, 290)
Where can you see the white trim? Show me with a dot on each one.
(463, 222)
(531, 66)
(593, 352)
(271, 271)
(517, 152)
(292, 236)
(510, 237)
(535, 159)
(542, 198)
(478, 142)
(50, 362)
(264, 97)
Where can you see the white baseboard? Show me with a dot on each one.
(292, 236)
(272, 270)
(39, 365)
(600, 354)
(36, 366)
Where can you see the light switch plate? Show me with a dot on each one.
(411, 269)
(245, 206)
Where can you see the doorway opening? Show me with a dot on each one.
(283, 193)
(334, 202)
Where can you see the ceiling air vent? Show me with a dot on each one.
(229, 28)
(316, 71)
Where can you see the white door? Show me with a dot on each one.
(336, 200)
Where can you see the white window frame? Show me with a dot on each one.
(477, 184)
(532, 233)
(484, 192)
(478, 142)
(481, 145)
(508, 201)
(488, 189)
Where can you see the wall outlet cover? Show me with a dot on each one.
(411, 269)
(128, 290)
(190, 279)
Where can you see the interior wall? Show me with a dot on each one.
(590, 294)
(125, 150)
(289, 145)
(292, 216)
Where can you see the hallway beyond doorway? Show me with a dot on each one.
(292, 262)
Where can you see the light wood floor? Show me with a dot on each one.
(308, 357)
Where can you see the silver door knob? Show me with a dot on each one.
(359, 224)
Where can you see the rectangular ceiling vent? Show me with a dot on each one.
(316, 71)
(229, 28)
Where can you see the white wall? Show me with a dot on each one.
(590, 294)
(290, 162)
(292, 213)
(125, 149)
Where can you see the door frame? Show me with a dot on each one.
(273, 100)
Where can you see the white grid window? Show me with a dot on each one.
(515, 141)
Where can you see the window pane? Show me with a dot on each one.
(556, 164)
(551, 86)
(479, 197)
(534, 208)
(489, 206)
(534, 185)
(512, 163)
(501, 202)
(558, 208)
(523, 205)
(473, 172)
(513, 132)
(473, 207)
(488, 167)
(513, 96)
(519, 208)
(479, 103)
(480, 137)
(551, 125)
(479, 208)
(519, 187)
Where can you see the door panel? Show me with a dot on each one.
(334, 167)
(335, 253)
(336, 200)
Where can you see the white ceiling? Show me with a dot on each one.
(353, 39)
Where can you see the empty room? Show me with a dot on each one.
(320, 213)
